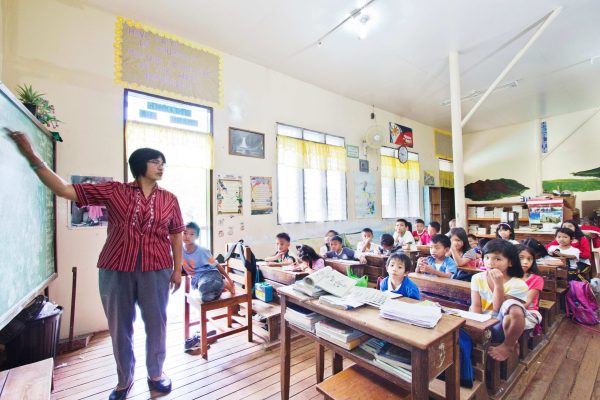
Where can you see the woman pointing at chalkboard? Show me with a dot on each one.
(135, 265)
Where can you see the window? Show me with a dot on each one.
(400, 194)
(446, 173)
(182, 132)
(311, 176)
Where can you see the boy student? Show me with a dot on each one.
(366, 245)
(421, 235)
(402, 236)
(397, 280)
(282, 256)
(434, 228)
(438, 263)
(338, 250)
(387, 246)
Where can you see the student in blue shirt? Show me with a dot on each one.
(397, 280)
(438, 263)
(338, 251)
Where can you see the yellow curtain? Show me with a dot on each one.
(299, 153)
(182, 148)
(391, 167)
(447, 179)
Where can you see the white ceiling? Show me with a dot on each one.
(402, 65)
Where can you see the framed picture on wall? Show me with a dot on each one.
(246, 143)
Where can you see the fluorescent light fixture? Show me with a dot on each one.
(476, 93)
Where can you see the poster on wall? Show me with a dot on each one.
(544, 129)
(428, 178)
(88, 216)
(364, 195)
(229, 195)
(401, 135)
(262, 195)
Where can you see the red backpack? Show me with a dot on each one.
(581, 303)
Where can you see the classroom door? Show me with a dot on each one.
(447, 208)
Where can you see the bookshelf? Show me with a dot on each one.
(441, 205)
(487, 221)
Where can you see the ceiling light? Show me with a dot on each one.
(362, 28)
(476, 93)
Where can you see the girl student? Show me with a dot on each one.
(565, 249)
(535, 283)
(506, 232)
(310, 261)
(581, 242)
(326, 242)
(460, 250)
(501, 292)
(541, 254)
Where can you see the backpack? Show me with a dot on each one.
(581, 303)
(237, 252)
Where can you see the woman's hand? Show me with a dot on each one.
(175, 282)
(23, 144)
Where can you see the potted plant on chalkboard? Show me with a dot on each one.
(29, 97)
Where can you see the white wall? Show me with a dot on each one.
(65, 49)
(512, 152)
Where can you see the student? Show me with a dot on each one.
(310, 260)
(474, 245)
(387, 246)
(452, 225)
(326, 246)
(438, 263)
(282, 255)
(208, 277)
(500, 291)
(580, 241)
(402, 236)
(397, 280)
(541, 254)
(366, 245)
(460, 250)
(420, 235)
(564, 249)
(506, 232)
(535, 283)
(434, 228)
(339, 251)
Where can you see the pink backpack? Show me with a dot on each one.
(581, 303)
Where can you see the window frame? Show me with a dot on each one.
(412, 156)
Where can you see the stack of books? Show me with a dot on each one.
(302, 317)
(373, 346)
(340, 334)
(425, 316)
(394, 360)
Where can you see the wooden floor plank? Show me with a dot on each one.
(588, 371)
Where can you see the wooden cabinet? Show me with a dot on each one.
(441, 206)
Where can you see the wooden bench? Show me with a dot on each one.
(31, 381)
(358, 383)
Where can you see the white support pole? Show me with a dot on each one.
(548, 19)
(457, 147)
(537, 131)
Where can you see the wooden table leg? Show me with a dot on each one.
(420, 374)
(453, 372)
(320, 354)
(285, 352)
(338, 364)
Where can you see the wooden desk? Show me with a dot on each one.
(279, 275)
(470, 270)
(343, 266)
(432, 350)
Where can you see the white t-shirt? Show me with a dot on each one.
(373, 249)
(570, 251)
(407, 238)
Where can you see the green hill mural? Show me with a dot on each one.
(575, 185)
(590, 172)
(494, 189)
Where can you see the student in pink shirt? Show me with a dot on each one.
(534, 282)
(421, 236)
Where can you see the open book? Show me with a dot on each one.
(330, 280)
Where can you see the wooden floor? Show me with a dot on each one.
(568, 368)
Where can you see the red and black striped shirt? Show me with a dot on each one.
(135, 223)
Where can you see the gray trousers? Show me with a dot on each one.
(120, 291)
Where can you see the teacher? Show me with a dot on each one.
(135, 265)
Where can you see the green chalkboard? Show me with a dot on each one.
(27, 212)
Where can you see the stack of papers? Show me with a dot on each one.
(468, 314)
(424, 316)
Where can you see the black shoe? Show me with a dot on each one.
(163, 385)
(119, 394)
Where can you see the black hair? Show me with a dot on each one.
(308, 254)
(283, 236)
(404, 259)
(368, 230)
(419, 221)
(508, 250)
(402, 220)
(578, 233)
(409, 226)
(138, 160)
(387, 239)
(441, 239)
(505, 226)
(435, 225)
(534, 268)
(538, 248)
(462, 235)
(471, 236)
(482, 242)
(566, 231)
(337, 238)
(332, 231)
(194, 226)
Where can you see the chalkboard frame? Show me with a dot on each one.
(20, 305)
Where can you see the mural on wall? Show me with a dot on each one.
(493, 189)
(575, 184)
